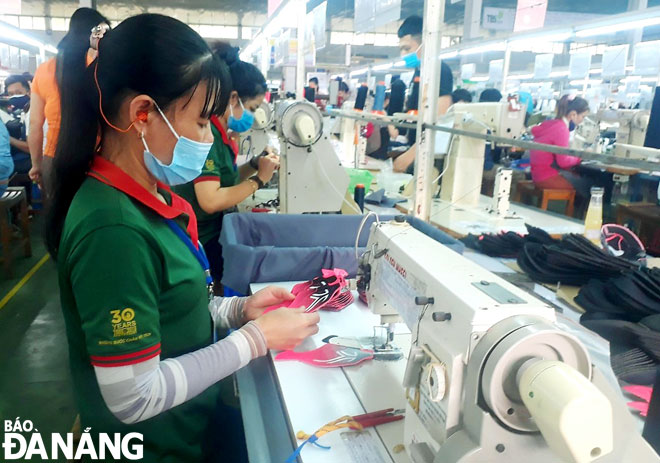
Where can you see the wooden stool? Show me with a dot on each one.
(13, 197)
(527, 189)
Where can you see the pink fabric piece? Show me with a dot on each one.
(329, 356)
(641, 407)
(318, 292)
(342, 300)
(551, 132)
(643, 392)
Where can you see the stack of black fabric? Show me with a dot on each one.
(572, 261)
(625, 310)
(507, 244)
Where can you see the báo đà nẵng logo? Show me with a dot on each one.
(22, 441)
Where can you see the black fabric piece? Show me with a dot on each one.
(634, 366)
(573, 261)
(507, 244)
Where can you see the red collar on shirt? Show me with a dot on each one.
(230, 142)
(106, 172)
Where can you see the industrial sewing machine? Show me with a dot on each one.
(632, 124)
(490, 378)
(464, 163)
(311, 176)
(255, 140)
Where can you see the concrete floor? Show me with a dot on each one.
(34, 373)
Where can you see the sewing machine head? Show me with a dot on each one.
(504, 119)
(490, 377)
(311, 176)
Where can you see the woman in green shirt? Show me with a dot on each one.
(133, 278)
(222, 184)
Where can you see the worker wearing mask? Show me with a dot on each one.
(222, 185)
(18, 89)
(47, 89)
(132, 275)
(553, 171)
(410, 47)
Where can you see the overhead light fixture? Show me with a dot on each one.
(496, 46)
(383, 67)
(449, 55)
(581, 82)
(623, 24)
(479, 79)
(359, 72)
(12, 33)
(400, 64)
(550, 36)
(51, 49)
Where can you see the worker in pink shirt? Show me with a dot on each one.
(553, 171)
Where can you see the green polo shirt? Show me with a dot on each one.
(220, 166)
(131, 289)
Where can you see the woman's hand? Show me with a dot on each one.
(256, 304)
(285, 328)
(35, 175)
(267, 165)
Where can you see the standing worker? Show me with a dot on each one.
(133, 277)
(47, 89)
(410, 48)
(222, 185)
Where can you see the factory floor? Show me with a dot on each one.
(34, 373)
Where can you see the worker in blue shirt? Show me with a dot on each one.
(6, 162)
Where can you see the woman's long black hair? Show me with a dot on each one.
(72, 49)
(246, 78)
(147, 54)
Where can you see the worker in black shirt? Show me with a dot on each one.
(410, 48)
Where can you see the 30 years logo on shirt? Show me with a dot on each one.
(123, 322)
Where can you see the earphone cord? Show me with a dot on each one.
(98, 88)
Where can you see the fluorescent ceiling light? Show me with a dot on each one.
(400, 64)
(625, 25)
(497, 46)
(383, 67)
(479, 79)
(552, 36)
(51, 49)
(359, 72)
(449, 55)
(11, 33)
(582, 82)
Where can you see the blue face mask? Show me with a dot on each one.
(244, 123)
(188, 159)
(19, 101)
(571, 126)
(411, 60)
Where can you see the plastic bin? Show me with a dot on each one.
(259, 248)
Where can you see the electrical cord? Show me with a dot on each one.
(342, 196)
(364, 221)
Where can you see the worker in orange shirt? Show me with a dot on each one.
(46, 91)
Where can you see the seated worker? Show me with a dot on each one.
(552, 171)
(410, 45)
(6, 162)
(461, 95)
(17, 88)
(383, 140)
(343, 94)
(135, 301)
(222, 185)
(314, 83)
